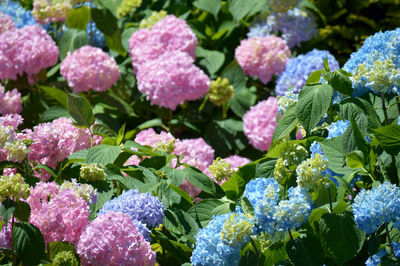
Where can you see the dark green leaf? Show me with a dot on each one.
(202, 181)
(234, 73)
(22, 211)
(103, 130)
(315, 77)
(80, 110)
(212, 60)
(57, 94)
(286, 124)
(389, 138)
(7, 209)
(202, 211)
(246, 206)
(305, 251)
(28, 242)
(242, 101)
(332, 149)
(54, 112)
(103, 154)
(105, 21)
(339, 80)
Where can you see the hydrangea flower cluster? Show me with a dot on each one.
(6, 23)
(159, 142)
(5, 236)
(374, 207)
(142, 208)
(291, 154)
(375, 260)
(220, 91)
(26, 50)
(285, 101)
(237, 230)
(236, 161)
(310, 173)
(92, 172)
(211, 249)
(10, 101)
(89, 68)
(112, 239)
(376, 63)
(65, 258)
(13, 120)
(13, 187)
(259, 123)
(46, 11)
(55, 141)
(263, 56)
(282, 5)
(85, 191)
(155, 17)
(127, 6)
(299, 68)
(294, 26)
(11, 148)
(60, 218)
(19, 15)
(220, 170)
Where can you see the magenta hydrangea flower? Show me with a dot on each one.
(236, 161)
(62, 218)
(168, 35)
(112, 239)
(259, 123)
(6, 23)
(172, 79)
(55, 141)
(26, 50)
(89, 68)
(10, 101)
(263, 56)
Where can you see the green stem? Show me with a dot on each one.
(14, 257)
(384, 109)
(91, 137)
(257, 252)
(224, 111)
(330, 200)
(290, 234)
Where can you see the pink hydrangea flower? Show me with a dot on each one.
(89, 68)
(172, 79)
(10, 101)
(26, 50)
(13, 120)
(150, 138)
(6, 23)
(236, 161)
(259, 123)
(168, 35)
(62, 218)
(263, 56)
(55, 141)
(112, 239)
(5, 235)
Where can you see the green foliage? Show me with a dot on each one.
(28, 243)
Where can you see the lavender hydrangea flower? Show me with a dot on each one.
(374, 207)
(295, 26)
(299, 68)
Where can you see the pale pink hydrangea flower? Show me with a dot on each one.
(236, 161)
(89, 68)
(172, 79)
(168, 35)
(263, 56)
(26, 50)
(5, 235)
(112, 239)
(55, 141)
(259, 123)
(13, 120)
(46, 11)
(10, 101)
(6, 23)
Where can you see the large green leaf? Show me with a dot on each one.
(234, 73)
(103, 154)
(80, 110)
(28, 242)
(202, 211)
(242, 101)
(71, 40)
(211, 6)
(333, 150)
(340, 237)
(340, 81)
(57, 94)
(312, 105)
(286, 124)
(241, 9)
(202, 181)
(212, 60)
(305, 251)
(181, 223)
(78, 18)
(105, 21)
(389, 138)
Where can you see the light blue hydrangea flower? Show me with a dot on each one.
(263, 194)
(20, 16)
(375, 260)
(398, 121)
(294, 211)
(396, 249)
(210, 249)
(374, 207)
(294, 26)
(142, 207)
(299, 68)
(98, 36)
(285, 101)
(375, 66)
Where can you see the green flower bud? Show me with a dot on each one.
(309, 173)
(220, 91)
(153, 19)
(13, 187)
(127, 6)
(167, 147)
(92, 172)
(65, 258)
(221, 170)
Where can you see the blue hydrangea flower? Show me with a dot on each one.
(18, 13)
(294, 211)
(142, 207)
(396, 249)
(375, 260)
(295, 26)
(263, 194)
(142, 228)
(299, 68)
(398, 121)
(98, 36)
(285, 101)
(374, 207)
(375, 66)
(210, 249)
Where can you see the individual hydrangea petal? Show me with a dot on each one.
(112, 239)
(299, 68)
(294, 26)
(259, 123)
(172, 79)
(263, 56)
(89, 68)
(374, 207)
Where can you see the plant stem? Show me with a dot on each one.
(388, 237)
(330, 200)
(257, 252)
(224, 111)
(384, 109)
(290, 234)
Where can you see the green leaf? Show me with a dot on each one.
(56, 247)
(182, 193)
(231, 187)
(234, 73)
(389, 138)
(240, 9)
(103, 154)
(22, 211)
(114, 42)
(286, 124)
(312, 105)
(340, 237)
(242, 101)
(103, 130)
(71, 40)
(202, 211)
(340, 81)
(246, 206)
(202, 181)
(359, 138)
(265, 168)
(105, 21)
(28, 242)
(7, 209)
(57, 94)
(78, 18)
(355, 159)
(46, 168)
(54, 112)
(80, 110)
(181, 223)
(126, 35)
(211, 6)
(212, 60)
(333, 150)
(305, 251)
(315, 77)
